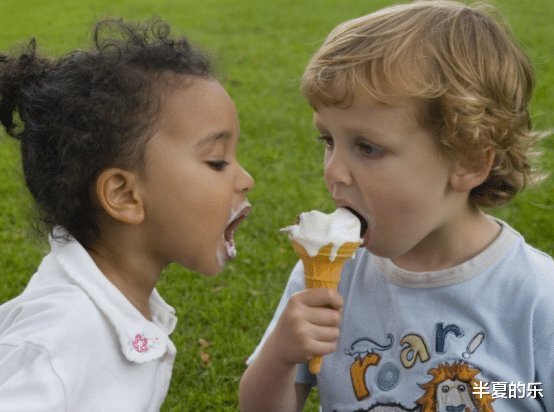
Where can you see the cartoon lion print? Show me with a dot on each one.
(451, 390)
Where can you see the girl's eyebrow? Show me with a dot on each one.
(213, 138)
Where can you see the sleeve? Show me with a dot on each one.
(295, 284)
(544, 359)
(543, 332)
(28, 383)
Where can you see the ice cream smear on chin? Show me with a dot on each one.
(317, 229)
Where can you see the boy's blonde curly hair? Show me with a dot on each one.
(459, 59)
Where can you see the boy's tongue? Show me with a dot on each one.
(316, 229)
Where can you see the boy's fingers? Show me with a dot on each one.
(323, 316)
(326, 334)
(323, 347)
(322, 298)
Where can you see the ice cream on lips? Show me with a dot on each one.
(316, 230)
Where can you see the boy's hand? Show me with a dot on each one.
(308, 326)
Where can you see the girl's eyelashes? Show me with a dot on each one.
(218, 165)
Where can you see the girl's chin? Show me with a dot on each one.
(213, 269)
(210, 267)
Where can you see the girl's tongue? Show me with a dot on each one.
(229, 235)
(229, 238)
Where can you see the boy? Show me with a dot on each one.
(423, 111)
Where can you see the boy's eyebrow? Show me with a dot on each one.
(375, 133)
(212, 138)
(317, 125)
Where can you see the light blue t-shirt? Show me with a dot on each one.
(479, 335)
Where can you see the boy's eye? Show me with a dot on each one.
(369, 150)
(218, 165)
(328, 140)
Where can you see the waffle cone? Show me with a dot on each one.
(320, 272)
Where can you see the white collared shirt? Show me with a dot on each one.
(73, 342)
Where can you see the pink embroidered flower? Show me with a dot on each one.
(140, 343)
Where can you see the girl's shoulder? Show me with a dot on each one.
(45, 314)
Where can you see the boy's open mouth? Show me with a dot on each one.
(363, 222)
(229, 236)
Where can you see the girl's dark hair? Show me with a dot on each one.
(89, 110)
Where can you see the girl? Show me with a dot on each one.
(130, 153)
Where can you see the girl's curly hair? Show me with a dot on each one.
(90, 110)
(463, 62)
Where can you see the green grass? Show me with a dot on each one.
(262, 48)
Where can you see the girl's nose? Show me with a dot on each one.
(245, 182)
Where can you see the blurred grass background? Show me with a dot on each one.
(261, 49)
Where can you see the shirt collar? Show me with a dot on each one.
(457, 274)
(141, 340)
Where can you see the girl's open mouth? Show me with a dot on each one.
(229, 236)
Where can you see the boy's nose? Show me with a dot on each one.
(245, 182)
(336, 169)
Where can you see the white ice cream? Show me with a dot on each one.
(316, 229)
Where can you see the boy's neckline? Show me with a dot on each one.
(457, 274)
(451, 244)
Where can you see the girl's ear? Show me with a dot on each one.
(117, 193)
(466, 177)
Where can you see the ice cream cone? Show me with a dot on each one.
(322, 272)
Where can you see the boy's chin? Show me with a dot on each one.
(378, 250)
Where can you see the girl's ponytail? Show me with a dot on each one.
(16, 74)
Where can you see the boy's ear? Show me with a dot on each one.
(466, 177)
(117, 193)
